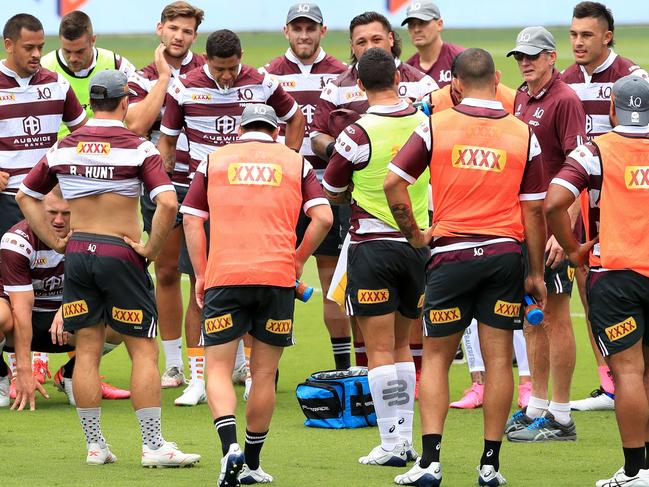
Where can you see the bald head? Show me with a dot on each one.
(475, 68)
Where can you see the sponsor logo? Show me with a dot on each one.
(308, 111)
(636, 177)
(288, 83)
(280, 327)
(75, 308)
(373, 296)
(615, 332)
(420, 303)
(9, 97)
(201, 96)
(226, 124)
(482, 158)
(571, 273)
(439, 316)
(510, 310)
(31, 125)
(354, 94)
(220, 323)
(41, 261)
(251, 173)
(100, 148)
(396, 393)
(129, 316)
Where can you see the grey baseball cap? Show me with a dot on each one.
(533, 40)
(109, 83)
(632, 101)
(304, 10)
(422, 10)
(258, 112)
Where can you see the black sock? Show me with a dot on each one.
(4, 370)
(342, 348)
(254, 444)
(68, 368)
(646, 461)
(633, 460)
(491, 454)
(226, 427)
(431, 445)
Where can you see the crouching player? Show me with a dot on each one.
(252, 191)
(32, 275)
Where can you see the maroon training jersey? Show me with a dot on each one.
(30, 265)
(305, 83)
(440, 71)
(556, 117)
(142, 82)
(343, 92)
(594, 90)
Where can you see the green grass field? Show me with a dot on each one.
(46, 447)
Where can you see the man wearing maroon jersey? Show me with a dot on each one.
(177, 31)
(304, 71)
(592, 76)
(434, 56)
(555, 114)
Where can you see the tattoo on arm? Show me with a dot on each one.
(405, 219)
(169, 161)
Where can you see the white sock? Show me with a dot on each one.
(560, 411)
(472, 348)
(387, 393)
(173, 353)
(406, 372)
(536, 407)
(241, 356)
(197, 368)
(12, 363)
(520, 349)
(90, 419)
(150, 426)
(109, 347)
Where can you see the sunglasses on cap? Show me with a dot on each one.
(519, 56)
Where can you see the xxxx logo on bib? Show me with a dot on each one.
(253, 173)
(481, 158)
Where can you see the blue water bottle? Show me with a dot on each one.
(303, 291)
(533, 312)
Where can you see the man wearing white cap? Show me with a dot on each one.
(434, 56)
(556, 116)
(614, 171)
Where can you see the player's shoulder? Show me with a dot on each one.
(571, 74)
(346, 78)
(410, 73)
(196, 61)
(149, 72)
(278, 65)
(20, 238)
(250, 76)
(563, 93)
(195, 78)
(330, 64)
(45, 76)
(622, 66)
(453, 49)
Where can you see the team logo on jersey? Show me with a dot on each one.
(279, 327)
(373, 296)
(8, 97)
(201, 96)
(482, 158)
(510, 310)
(95, 148)
(252, 173)
(219, 323)
(128, 316)
(75, 308)
(615, 332)
(440, 316)
(636, 177)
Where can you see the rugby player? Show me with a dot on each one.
(434, 56)
(101, 170)
(246, 284)
(595, 70)
(385, 282)
(32, 275)
(77, 59)
(613, 170)
(476, 269)
(304, 71)
(177, 31)
(555, 114)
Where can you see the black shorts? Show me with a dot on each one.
(333, 241)
(485, 283)
(266, 312)
(385, 276)
(10, 213)
(41, 337)
(106, 281)
(147, 208)
(558, 280)
(618, 303)
(184, 262)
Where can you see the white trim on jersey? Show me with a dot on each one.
(188, 210)
(570, 187)
(314, 202)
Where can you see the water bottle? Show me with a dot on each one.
(303, 291)
(424, 106)
(533, 312)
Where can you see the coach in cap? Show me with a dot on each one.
(434, 56)
(252, 190)
(613, 169)
(555, 114)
